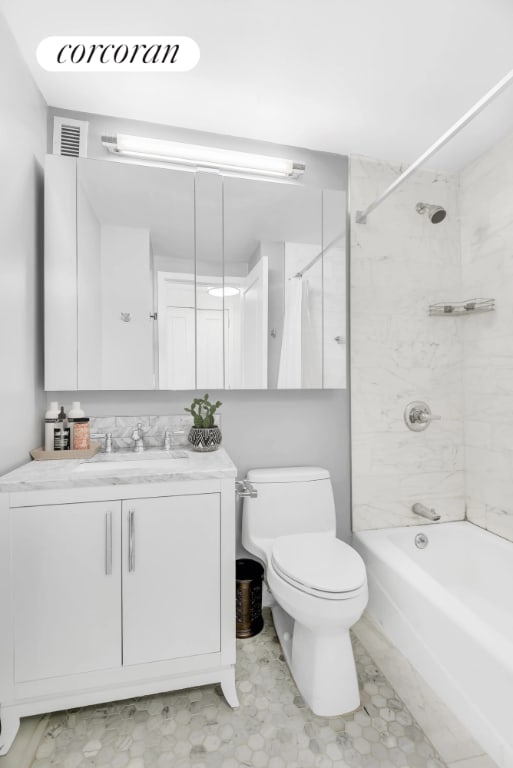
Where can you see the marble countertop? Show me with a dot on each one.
(123, 468)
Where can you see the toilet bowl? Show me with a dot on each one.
(318, 582)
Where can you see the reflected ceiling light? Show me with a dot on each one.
(202, 157)
(228, 290)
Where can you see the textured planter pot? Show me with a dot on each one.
(205, 439)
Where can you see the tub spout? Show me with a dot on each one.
(423, 511)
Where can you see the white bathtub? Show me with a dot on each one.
(449, 610)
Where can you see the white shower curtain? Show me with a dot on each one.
(289, 374)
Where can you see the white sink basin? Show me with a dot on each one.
(157, 461)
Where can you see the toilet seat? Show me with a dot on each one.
(319, 564)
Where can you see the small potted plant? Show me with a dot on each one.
(204, 434)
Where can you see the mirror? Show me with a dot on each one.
(334, 207)
(211, 316)
(284, 263)
(135, 254)
(273, 259)
(197, 280)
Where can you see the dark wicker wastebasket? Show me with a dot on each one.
(248, 601)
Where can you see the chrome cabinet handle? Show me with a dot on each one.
(131, 540)
(108, 543)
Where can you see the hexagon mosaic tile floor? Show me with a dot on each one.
(272, 729)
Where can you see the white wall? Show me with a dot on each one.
(487, 262)
(22, 148)
(400, 263)
(269, 428)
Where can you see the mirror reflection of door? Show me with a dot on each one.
(180, 321)
(210, 308)
(176, 330)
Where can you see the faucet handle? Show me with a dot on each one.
(245, 489)
(418, 416)
(426, 417)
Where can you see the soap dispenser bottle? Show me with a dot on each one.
(51, 416)
(61, 432)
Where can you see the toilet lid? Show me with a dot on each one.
(319, 563)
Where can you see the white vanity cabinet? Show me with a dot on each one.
(66, 589)
(112, 592)
(171, 569)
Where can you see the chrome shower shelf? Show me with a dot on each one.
(468, 307)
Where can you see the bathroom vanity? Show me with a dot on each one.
(116, 580)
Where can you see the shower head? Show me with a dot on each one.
(435, 212)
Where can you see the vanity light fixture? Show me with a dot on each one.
(202, 157)
(227, 290)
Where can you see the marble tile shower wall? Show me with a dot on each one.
(486, 189)
(400, 263)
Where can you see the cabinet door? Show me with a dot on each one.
(135, 224)
(67, 574)
(171, 577)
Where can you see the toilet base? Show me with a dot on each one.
(322, 665)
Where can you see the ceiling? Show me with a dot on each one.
(382, 79)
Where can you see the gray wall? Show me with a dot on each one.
(22, 148)
(323, 170)
(272, 428)
(260, 429)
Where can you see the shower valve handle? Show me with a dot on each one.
(418, 416)
(426, 417)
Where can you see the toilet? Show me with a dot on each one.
(319, 583)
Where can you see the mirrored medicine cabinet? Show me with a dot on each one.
(166, 279)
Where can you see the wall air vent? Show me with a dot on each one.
(70, 137)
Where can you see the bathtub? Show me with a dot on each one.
(449, 609)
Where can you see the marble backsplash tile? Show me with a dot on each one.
(154, 428)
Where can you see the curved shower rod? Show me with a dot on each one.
(361, 216)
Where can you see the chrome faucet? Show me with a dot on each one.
(169, 438)
(423, 511)
(137, 437)
(107, 437)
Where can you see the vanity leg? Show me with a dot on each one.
(228, 688)
(9, 724)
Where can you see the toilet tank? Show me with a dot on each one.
(290, 500)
